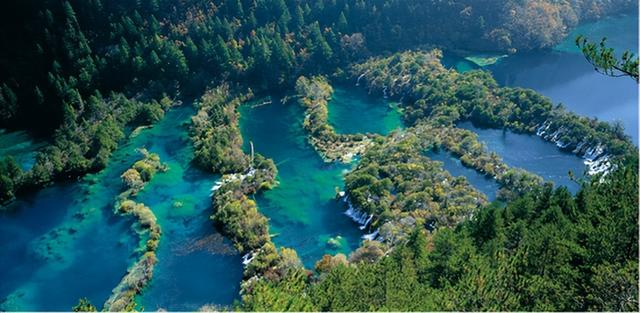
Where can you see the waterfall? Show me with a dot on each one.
(594, 152)
(247, 258)
(356, 215)
(594, 157)
(579, 147)
(543, 128)
(599, 165)
(371, 236)
(366, 222)
(361, 218)
(359, 78)
(561, 144)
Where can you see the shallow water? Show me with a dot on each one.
(65, 243)
(20, 145)
(564, 75)
(88, 256)
(352, 110)
(453, 165)
(460, 64)
(302, 211)
(533, 154)
(197, 266)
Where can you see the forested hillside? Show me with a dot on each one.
(546, 251)
(83, 70)
(63, 48)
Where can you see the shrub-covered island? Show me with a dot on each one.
(147, 227)
(314, 94)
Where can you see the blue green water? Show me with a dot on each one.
(352, 110)
(20, 145)
(533, 154)
(460, 64)
(302, 211)
(197, 266)
(621, 33)
(64, 242)
(564, 75)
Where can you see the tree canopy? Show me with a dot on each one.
(605, 60)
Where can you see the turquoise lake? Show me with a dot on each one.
(65, 242)
(197, 265)
(21, 145)
(352, 110)
(303, 213)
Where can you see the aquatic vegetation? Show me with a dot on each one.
(52, 245)
(433, 241)
(238, 218)
(139, 275)
(213, 244)
(483, 61)
(314, 94)
(302, 211)
(334, 242)
(235, 214)
(84, 305)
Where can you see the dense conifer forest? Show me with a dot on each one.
(86, 76)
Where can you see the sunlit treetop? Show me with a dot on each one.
(605, 60)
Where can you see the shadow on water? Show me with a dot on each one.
(20, 145)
